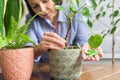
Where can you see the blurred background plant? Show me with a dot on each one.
(107, 9)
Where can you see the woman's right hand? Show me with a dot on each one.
(50, 41)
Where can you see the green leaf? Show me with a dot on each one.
(113, 30)
(59, 7)
(85, 13)
(109, 5)
(13, 8)
(90, 24)
(103, 13)
(24, 27)
(2, 2)
(14, 28)
(115, 13)
(91, 53)
(78, 2)
(117, 21)
(97, 16)
(92, 3)
(95, 40)
(73, 9)
(3, 41)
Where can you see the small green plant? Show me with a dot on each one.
(12, 35)
(74, 8)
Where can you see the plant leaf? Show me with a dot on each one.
(103, 13)
(91, 53)
(2, 2)
(3, 41)
(12, 9)
(85, 13)
(73, 9)
(115, 13)
(90, 24)
(95, 40)
(118, 20)
(113, 30)
(59, 7)
(97, 16)
(78, 2)
(92, 3)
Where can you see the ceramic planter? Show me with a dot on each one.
(17, 64)
(65, 64)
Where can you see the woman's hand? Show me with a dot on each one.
(85, 48)
(50, 41)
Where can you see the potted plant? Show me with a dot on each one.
(66, 63)
(16, 61)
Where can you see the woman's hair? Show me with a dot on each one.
(31, 11)
(58, 2)
(29, 8)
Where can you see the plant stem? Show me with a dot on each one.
(68, 31)
(113, 35)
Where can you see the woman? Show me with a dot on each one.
(48, 30)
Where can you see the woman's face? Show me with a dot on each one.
(45, 6)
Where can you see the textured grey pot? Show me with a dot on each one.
(65, 64)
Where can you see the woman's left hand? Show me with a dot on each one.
(85, 48)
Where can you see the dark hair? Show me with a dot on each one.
(58, 2)
(29, 8)
(31, 11)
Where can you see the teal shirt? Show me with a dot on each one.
(79, 32)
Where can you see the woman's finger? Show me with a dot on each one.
(51, 34)
(97, 57)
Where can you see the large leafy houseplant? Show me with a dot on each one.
(74, 8)
(16, 61)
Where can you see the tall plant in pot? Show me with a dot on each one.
(66, 63)
(16, 61)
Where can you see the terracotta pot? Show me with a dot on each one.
(65, 64)
(17, 64)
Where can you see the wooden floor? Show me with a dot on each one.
(90, 72)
